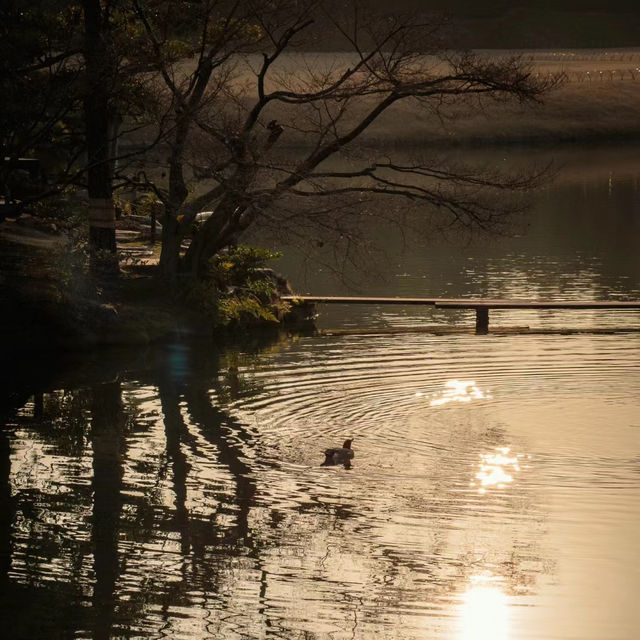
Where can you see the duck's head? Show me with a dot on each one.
(347, 443)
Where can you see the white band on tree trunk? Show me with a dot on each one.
(102, 213)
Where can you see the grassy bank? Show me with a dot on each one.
(575, 112)
(598, 102)
(51, 303)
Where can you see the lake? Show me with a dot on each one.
(177, 491)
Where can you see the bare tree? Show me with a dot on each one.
(38, 75)
(100, 62)
(234, 106)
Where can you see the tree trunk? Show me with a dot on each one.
(178, 192)
(100, 73)
(207, 242)
(170, 253)
(219, 231)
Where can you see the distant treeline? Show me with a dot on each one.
(539, 24)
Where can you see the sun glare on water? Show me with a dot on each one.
(484, 611)
(459, 391)
(496, 469)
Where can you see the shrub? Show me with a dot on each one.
(238, 289)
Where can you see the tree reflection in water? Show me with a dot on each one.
(44, 527)
(109, 450)
(6, 513)
(197, 539)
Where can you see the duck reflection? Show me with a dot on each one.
(339, 455)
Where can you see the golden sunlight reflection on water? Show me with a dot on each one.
(219, 521)
(484, 611)
(459, 391)
(496, 469)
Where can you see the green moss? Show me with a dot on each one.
(238, 289)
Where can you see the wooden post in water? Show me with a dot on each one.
(480, 305)
(482, 320)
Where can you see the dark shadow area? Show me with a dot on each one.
(220, 430)
(108, 443)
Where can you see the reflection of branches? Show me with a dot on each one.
(107, 437)
(64, 419)
(214, 423)
(354, 534)
(176, 432)
(6, 510)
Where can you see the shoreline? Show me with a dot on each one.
(597, 114)
(537, 141)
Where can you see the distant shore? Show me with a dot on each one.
(576, 112)
(597, 100)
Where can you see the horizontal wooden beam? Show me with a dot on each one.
(470, 303)
(358, 300)
(536, 304)
(480, 305)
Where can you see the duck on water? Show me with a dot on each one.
(339, 455)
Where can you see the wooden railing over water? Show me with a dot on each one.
(480, 305)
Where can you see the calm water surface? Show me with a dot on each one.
(495, 491)
(579, 241)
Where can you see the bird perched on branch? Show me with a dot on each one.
(339, 455)
(275, 132)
